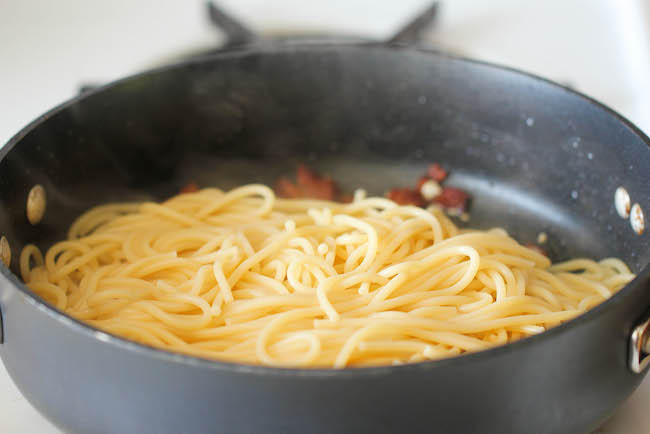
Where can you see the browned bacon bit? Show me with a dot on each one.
(436, 172)
(536, 248)
(285, 188)
(190, 187)
(452, 197)
(309, 184)
(406, 196)
(346, 198)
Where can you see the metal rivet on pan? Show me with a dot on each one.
(637, 220)
(5, 251)
(622, 202)
(639, 347)
(36, 202)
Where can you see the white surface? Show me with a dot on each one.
(48, 48)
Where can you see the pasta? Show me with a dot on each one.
(244, 276)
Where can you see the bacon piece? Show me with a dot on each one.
(536, 248)
(309, 184)
(436, 172)
(306, 175)
(346, 198)
(315, 186)
(452, 197)
(190, 187)
(406, 196)
(285, 188)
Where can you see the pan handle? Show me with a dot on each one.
(640, 347)
(3, 302)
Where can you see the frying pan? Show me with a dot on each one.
(535, 156)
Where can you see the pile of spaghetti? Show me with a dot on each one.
(247, 277)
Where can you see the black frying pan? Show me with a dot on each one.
(535, 156)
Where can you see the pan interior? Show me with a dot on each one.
(534, 156)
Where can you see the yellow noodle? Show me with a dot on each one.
(242, 276)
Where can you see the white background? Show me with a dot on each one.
(602, 47)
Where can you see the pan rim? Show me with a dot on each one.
(116, 341)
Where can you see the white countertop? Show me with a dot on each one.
(47, 49)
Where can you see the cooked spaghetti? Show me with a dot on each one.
(246, 277)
